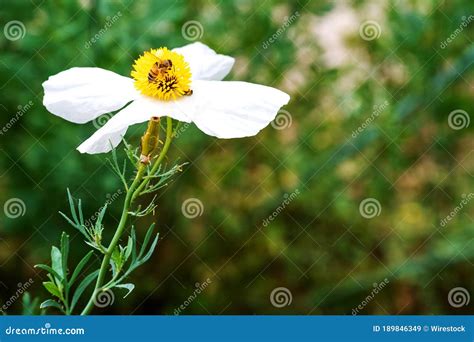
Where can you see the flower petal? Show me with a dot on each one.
(234, 109)
(102, 141)
(205, 63)
(82, 94)
(138, 111)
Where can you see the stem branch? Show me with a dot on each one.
(115, 240)
(139, 183)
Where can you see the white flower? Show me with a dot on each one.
(184, 84)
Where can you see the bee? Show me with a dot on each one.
(159, 69)
(188, 92)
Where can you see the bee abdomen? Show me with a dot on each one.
(153, 74)
(152, 77)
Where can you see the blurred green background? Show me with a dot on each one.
(395, 76)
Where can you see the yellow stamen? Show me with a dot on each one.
(162, 74)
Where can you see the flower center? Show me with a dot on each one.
(162, 74)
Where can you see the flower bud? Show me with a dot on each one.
(150, 140)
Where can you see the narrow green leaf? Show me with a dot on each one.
(124, 168)
(128, 250)
(48, 269)
(129, 287)
(151, 250)
(68, 219)
(134, 241)
(75, 225)
(79, 267)
(64, 252)
(50, 303)
(79, 209)
(51, 278)
(56, 262)
(113, 267)
(116, 261)
(98, 223)
(52, 288)
(72, 206)
(82, 287)
(146, 240)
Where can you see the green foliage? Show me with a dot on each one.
(31, 306)
(123, 259)
(121, 255)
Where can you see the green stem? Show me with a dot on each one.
(66, 300)
(133, 192)
(115, 240)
